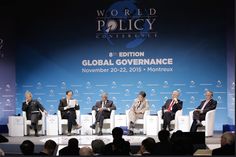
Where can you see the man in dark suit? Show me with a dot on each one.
(170, 108)
(68, 112)
(33, 110)
(103, 110)
(199, 113)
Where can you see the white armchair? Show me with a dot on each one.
(27, 123)
(208, 123)
(62, 123)
(173, 122)
(140, 121)
(110, 121)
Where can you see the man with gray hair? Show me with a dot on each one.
(170, 108)
(33, 109)
(227, 145)
(98, 147)
(103, 110)
(199, 113)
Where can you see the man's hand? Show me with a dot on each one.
(165, 110)
(198, 110)
(100, 109)
(46, 113)
(175, 100)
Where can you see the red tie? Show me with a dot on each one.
(170, 106)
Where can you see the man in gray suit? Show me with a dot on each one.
(140, 105)
(103, 110)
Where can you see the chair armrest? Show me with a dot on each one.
(178, 113)
(210, 116)
(113, 112)
(159, 113)
(59, 114)
(24, 115)
(146, 113)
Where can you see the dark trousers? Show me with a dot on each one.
(167, 117)
(196, 116)
(35, 117)
(100, 116)
(71, 117)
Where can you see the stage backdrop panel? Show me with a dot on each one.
(7, 65)
(123, 47)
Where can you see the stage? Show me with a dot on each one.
(12, 147)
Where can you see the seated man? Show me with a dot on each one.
(69, 112)
(140, 105)
(199, 113)
(170, 108)
(33, 110)
(103, 110)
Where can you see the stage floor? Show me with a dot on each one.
(85, 140)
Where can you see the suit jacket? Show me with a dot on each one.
(175, 107)
(140, 107)
(211, 105)
(63, 104)
(69, 151)
(109, 107)
(33, 106)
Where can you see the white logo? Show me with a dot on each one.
(39, 85)
(153, 92)
(192, 99)
(88, 85)
(63, 85)
(218, 84)
(192, 84)
(165, 84)
(113, 84)
(140, 84)
(127, 92)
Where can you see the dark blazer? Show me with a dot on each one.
(211, 105)
(69, 151)
(175, 107)
(33, 105)
(62, 104)
(225, 150)
(109, 105)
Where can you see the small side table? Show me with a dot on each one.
(16, 125)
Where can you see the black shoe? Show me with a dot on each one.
(36, 135)
(93, 126)
(130, 133)
(132, 125)
(171, 129)
(100, 133)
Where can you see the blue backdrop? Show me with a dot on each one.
(55, 44)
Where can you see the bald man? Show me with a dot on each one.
(199, 113)
(103, 110)
(170, 108)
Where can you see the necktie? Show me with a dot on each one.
(171, 105)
